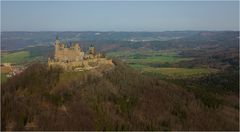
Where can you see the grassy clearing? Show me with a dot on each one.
(180, 72)
(174, 72)
(129, 54)
(146, 57)
(138, 66)
(146, 60)
(16, 57)
(158, 59)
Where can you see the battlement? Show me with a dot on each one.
(65, 54)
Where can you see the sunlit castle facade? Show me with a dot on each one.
(73, 53)
(72, 57)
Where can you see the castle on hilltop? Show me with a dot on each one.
(72, 57)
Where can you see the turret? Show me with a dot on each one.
(91, 50)
(57, 41)
(76, 47)
(57, 46)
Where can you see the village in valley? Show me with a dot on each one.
(11, 70)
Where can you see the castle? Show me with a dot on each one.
(72, 57)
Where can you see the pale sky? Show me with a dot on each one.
(119, 16)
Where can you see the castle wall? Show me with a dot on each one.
(84, 64)
(67, 66)
(68, 54)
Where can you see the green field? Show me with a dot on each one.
(26, 55)
(158, 59)
(175, 72)
(129, 54)
(16, 57)
(146, 57)
(181, 72)
(143, 61)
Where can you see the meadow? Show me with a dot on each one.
(160, 63)
(28, 54)
(157, 59)
(15, 57)
(176, 73)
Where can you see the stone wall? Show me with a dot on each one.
(82, 65)
(73, 53)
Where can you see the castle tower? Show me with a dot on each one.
(91, 50)
(77, 47)
(57, 46)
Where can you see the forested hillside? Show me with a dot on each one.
(119, 99)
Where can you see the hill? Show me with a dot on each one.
(105, 41)
(119, 99)
(164, 81)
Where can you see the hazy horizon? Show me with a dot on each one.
(157, 16)
(128, 31)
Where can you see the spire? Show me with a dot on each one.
(57, 37)
(91, 49)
